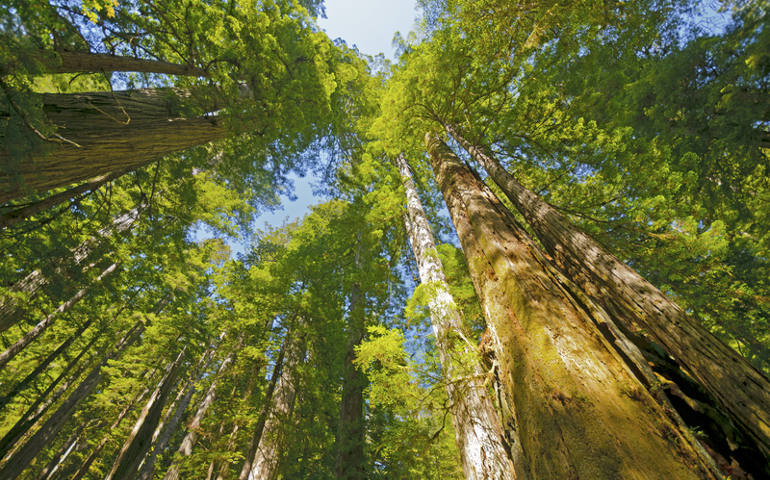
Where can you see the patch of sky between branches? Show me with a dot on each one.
(370, 26)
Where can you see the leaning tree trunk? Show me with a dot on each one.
(43, 325)
(185, 449)
(102, 132)
(139, 440)
(12, 307)
(272, 443)
(350, 463)
(740, 391)
(24, 455)
(580, 412)
(259, 428)
(479, 433)
(63, 61)
(12, 214)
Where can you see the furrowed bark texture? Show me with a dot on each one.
(580, 412)
(12, 307)
(272, 444)
(43, 325)
(741, 391)
(105, 132)
(350, 462)
(189, 440)
(139, 440)
(479, 433)
(23, 456)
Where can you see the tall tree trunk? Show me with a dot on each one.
(478, 431)
(139, 440)
(24, 455)
(272, 443)
(62, 61)
(105, 132)
(86, 465)
(11, 216)
(579, 410)
(60, 456)
(46, 398)
(43, 325)
(224, 468)
(12, 307)
(267, 402)
(642, 310)
(185, 449)
(350, 463)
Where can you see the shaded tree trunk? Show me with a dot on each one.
(479, 433)
(43, 325)
(646, 314)
(185, 449)
(105, 132)
(139, 440)
(24, 455)
(84, 62)
(579, 410)
(12, 307)
(12, 215)
(350, 462)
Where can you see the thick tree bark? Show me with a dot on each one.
(43, 325)
(265, 412)
(479, 433)
(579, 410)
(104, 132)
(24, 455)
(185, 449)
(85, 62)
(11, 215)
(638, 307)
(350, 463)
(12, 307)
(272, 444)
(139, 440)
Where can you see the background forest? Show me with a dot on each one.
(542, 250)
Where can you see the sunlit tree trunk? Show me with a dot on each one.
(579, 410)
(61, 456)
(24, 455)
(12, 307)
(188, 442)
(139, 440)
(641, 309)
(101, 132)
(43, 325)
(478, 431)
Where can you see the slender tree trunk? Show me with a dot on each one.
(85, 62)
(479, 433)
(43, 325)
(105, 132)
(272, 443)
(11, 216)
(263, 414)
(12, 307)
(638, 307)
(580, 412)
(139, 440)
(86, 465)
(47, 398)
(185, 449)
(350, 462)
(23, 456)
(224, 468)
